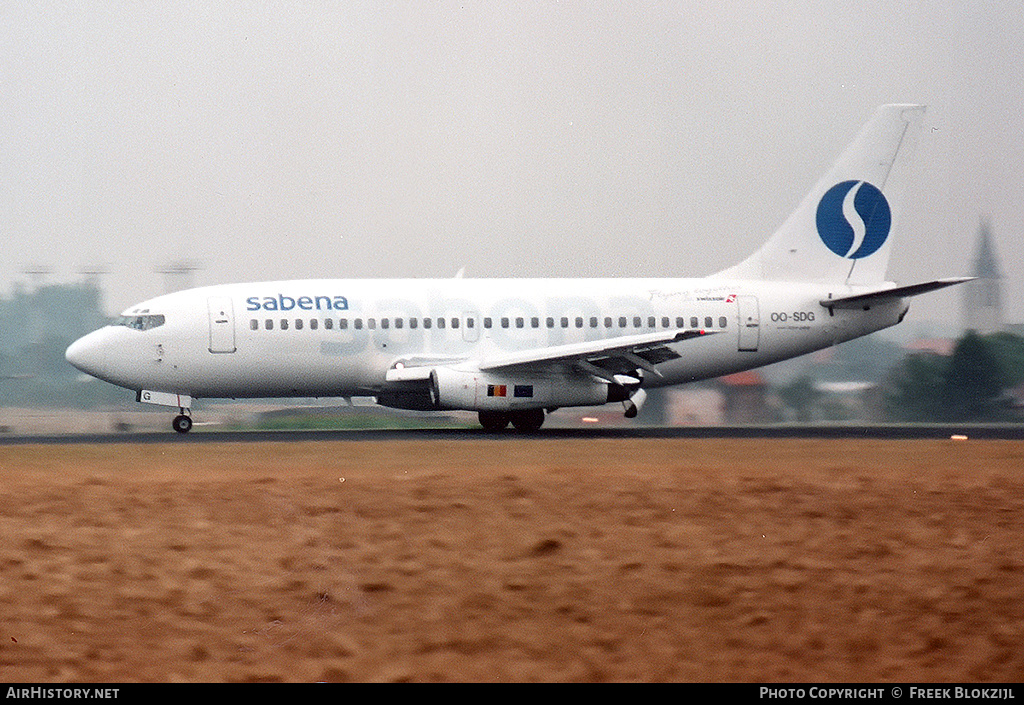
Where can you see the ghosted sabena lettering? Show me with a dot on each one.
(304, 303)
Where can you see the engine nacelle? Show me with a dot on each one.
(635, 402)
(484, 391)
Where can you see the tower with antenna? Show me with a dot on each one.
(92, 275)
(37, 274)
(178, 275)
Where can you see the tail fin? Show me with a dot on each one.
(841, 231)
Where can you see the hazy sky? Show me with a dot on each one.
(267, 140)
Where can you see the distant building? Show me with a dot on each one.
(933, 346)
(37, 325)
(983, 298)
(693, 405)
(745, 398)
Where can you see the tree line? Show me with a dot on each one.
(972, 384)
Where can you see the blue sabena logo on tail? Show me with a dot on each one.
(854, 219)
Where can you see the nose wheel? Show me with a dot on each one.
(182, 423)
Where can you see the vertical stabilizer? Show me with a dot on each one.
(843, 229)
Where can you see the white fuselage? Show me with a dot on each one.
(325, 338)
(514, 349)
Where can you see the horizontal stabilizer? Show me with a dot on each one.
(898, 292)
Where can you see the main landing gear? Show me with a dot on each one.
(527, 420)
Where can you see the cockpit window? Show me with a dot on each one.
(140, 322)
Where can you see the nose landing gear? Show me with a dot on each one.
(182, 422)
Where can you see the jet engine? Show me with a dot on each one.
(484, 391)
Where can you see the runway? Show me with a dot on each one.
(590, 557)
(866, 432)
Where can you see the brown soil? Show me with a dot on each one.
(671, 560)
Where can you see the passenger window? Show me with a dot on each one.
(487, 322)
(358, 324)
(708, 323)
(520, 322)
(371, 323)
(427, 322)
(470, 322)
(398, 323)
(722, 322)
(298, 324)
(440, 323)
(579, 322)
(270, 324)
(593, 321)
(681, 323)
(622, 321)
(607, 321)
(664, 322)
(313, 324)
(504, 323)
(651, 322)
(693, 322)
(413, 322)
(284, 324)
(535, 322)
(636, 321)
(385, 323)
(329, 323)
(455, 323)
(550, 322)
(254, 324)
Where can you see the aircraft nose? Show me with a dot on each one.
(85, 354)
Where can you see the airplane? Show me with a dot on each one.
(513, 350)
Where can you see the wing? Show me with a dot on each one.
(602, 358)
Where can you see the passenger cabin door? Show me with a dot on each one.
(750, 323)
(222, 324)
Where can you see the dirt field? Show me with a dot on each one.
(612, 560)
